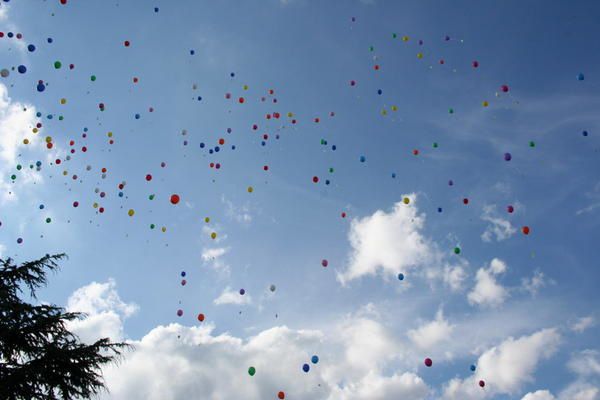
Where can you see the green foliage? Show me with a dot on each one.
(39, 357)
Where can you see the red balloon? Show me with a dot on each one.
(148, 177)
(481, 383)
(465, 201)
(241, 100)
(281, 395)
(126, 43)
(343, 215)
(315, 179)
(416, 152)
(175, 198)
(428, 362)
(266, 167)
(510, 209)
(504, 88)
(525, 230)
(200, 317)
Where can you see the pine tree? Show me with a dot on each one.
(39, 357)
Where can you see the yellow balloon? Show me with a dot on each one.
(290, 114)
(25, 141)
(250, 189)
(48, 139)
(164, 229)
(245, 87)
(384, 112)
(405, 38)
(406, 200)
(35, 130)
(130, 212)
(109, 134)
(65, 172)
(95, 205)
(394, 108)
(207, 220)
(485, 104)
(419, 55)
(213, 235)
(63, 101)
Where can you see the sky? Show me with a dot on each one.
(455, 143)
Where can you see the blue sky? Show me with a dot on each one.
(521, 307)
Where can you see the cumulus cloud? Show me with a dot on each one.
(432, 332)
(539, 395)
(213, 256)
(585, 363)
(454, 276)
(16, 122)
(487, 291)
(507, 367)
(229, 296)
(583, 324)
(179, 362)
(387, 243)
(498, 227)
(104, 309)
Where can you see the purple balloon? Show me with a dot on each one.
(507, 157)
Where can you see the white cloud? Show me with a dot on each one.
(213, 257)
(533, 284)
(539, 395)
(388, 243)
(240, 214)
(376, 387)
(498, 227)
(454, 276)
(16, 123)
(432, 332)
(229, 296)
(506, 367)
(583, 324)
(105, 312)
(488, 292)
(585, 363)
(579, 390)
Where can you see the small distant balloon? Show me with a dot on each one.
(400, 276)
(306, 368)
(251, 371)
(428, 362)
(314, 359)
(324, 263)
(242, 292)
(580, 76)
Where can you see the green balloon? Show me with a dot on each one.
(152, 226)
(93, 78)
(457, 250)
(48, 220)
(435, 145)
(532, 144)
(13, 177)
(57, 64)
(451, 110)
(151, 197)
(251, 371)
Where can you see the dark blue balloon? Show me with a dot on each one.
(233, 147)
(334, 147)
(31, 48)
(199, 98)
(22, 69)
(192, 52)
(584, 133)
(580, 76)
(363, 159)
(120, 194)
(379, 91)
(137, 116)
(10, 34)
(232, 74)
(50, 40)
(327, 181)
(41, 87)
(393, 174)
(182, 273)
(202, 145)
(306, 368)
(217, 149)
(41, 206)
(210, 151)
(439, 209)
(400, 276)
(314, 359)
(155, 9)
(472, 367)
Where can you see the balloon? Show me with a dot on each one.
(213, 235)
(406, 200)
(324, 263)
(531, 143)
(457, 250)
(343, 215)
(465, 201)
(183, 282)
(148, 177)
(485, 103)
(584, 133)
(451, 111)
(175, 198)
(400, 276)
(281, 395)
(439, 209)
(510, 209)
(131, 212)
(315, 179)
(4, 73)
(179, 312)
(200, 317)
(272, 288)
(242, 292)
(314, 359)
(31, 48)
(379, 91)
(363, 159)
(251, 371)
(20, 240)
(580, 76)
(525, 230)
(306, 368)
(504, 88)
(428, 362)
(183, 273)
(473, 367)
(22, 69)
(475, 64)
(93, 78)
(507, 157)
(250, 189)
(57, 64)
(481, 383)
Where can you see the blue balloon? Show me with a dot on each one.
(379, 91)
(31, 48)
(155, 9)
(363, 159)
(41, 206)
(182, 273)
(584, 133)
(334, 147)
(439, 209)
(120, 194)
(41, 87)
(393, 175)
(400, 276)
(202, 145)
(473, 367)
(217, 148)
(22, 69)
(580, 76)
(306, 368)
(137, 116)
(50, 40)
(314, 359)
(192, 52)
(327, 181)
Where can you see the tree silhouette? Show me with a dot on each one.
(39, 357)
